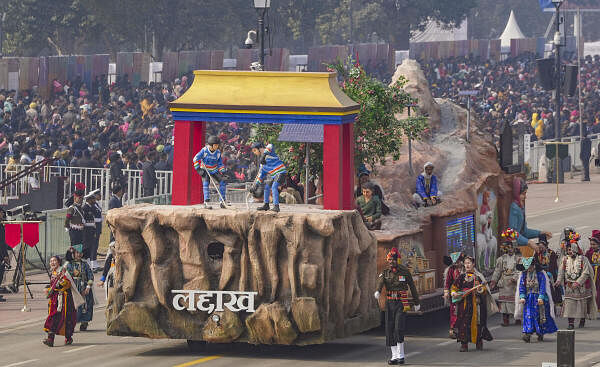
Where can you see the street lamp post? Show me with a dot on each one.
(262, 6)
(559, 175)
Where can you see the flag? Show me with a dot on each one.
(544, 4)
(12, 234)
(31, 233)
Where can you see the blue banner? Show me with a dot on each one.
(544, 4)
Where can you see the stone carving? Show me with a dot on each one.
(314, 272)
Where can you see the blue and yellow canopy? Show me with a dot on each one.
(265, 97)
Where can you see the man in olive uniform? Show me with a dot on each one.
(397, 281)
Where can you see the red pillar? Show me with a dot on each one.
(338, 167)
(348, 167)
(187, 184)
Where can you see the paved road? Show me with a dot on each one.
(427, 344)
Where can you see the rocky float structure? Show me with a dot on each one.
(314, 273)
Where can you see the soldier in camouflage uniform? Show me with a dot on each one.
(397, 280)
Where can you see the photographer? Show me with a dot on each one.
(4, 260)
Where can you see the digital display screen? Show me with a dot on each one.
(460, 234)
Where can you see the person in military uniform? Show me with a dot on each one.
(89, 225)
(98, 222)
(397, 280)
(74, 221)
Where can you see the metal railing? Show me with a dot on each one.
(537, 149)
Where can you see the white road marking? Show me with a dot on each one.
(20, 363)
(447, 343)
(494, 327)
(411, 354)
(587, 358)
(125, 337)
(551, 211)
(80, 348)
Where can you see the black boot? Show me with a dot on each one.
(581, 323)
(275, 208)
(83, 326)
(264, 207)
(540, 337)
(571, 324)
(222, 205)
(49, 341)
(464, 347)
(526, 338)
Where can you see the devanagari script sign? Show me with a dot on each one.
(203, 300)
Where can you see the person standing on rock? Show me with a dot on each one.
(397, 280)
(517, 221)
(427, 188)
(272, 168)
(506, 275)
(209, 165)
(455, 267)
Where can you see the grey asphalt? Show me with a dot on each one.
(426, 345)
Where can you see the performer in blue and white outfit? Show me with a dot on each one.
(208, 163)
(533, 300)
(272, 168)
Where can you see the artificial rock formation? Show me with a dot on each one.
(314, 272)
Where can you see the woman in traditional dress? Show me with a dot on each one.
(506, 275)
(63, 300)
(518, 222)
(474, 303)
(576, 276)
(454, 264)
(593, 255)
(534, 305)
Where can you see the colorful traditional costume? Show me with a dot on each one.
(593, 255)
(548, 259)
(506, 275)
(576, 275)
(473, 308)
(83, 277)
(451, 273)
(397, 280)
(537, 311)
(63, 300)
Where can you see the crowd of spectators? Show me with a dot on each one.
(510, 93)
(129, 125)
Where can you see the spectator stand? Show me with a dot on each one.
(266, 97)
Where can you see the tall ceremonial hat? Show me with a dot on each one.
(573, 242)
(453, 258)
(595, 236)
(78, 248)
(509, 236)
(90, 195)
(392, 255)
(79, 189)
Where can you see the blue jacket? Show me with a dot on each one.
(433, 190)
(516, 221)
(270, 164)
(211, 160)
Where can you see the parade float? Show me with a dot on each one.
(302, 276)
(305, 275)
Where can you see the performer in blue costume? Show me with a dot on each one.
(271, 167)
(533, 300)
(516, 217)
(208, 163)
(83, 277)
